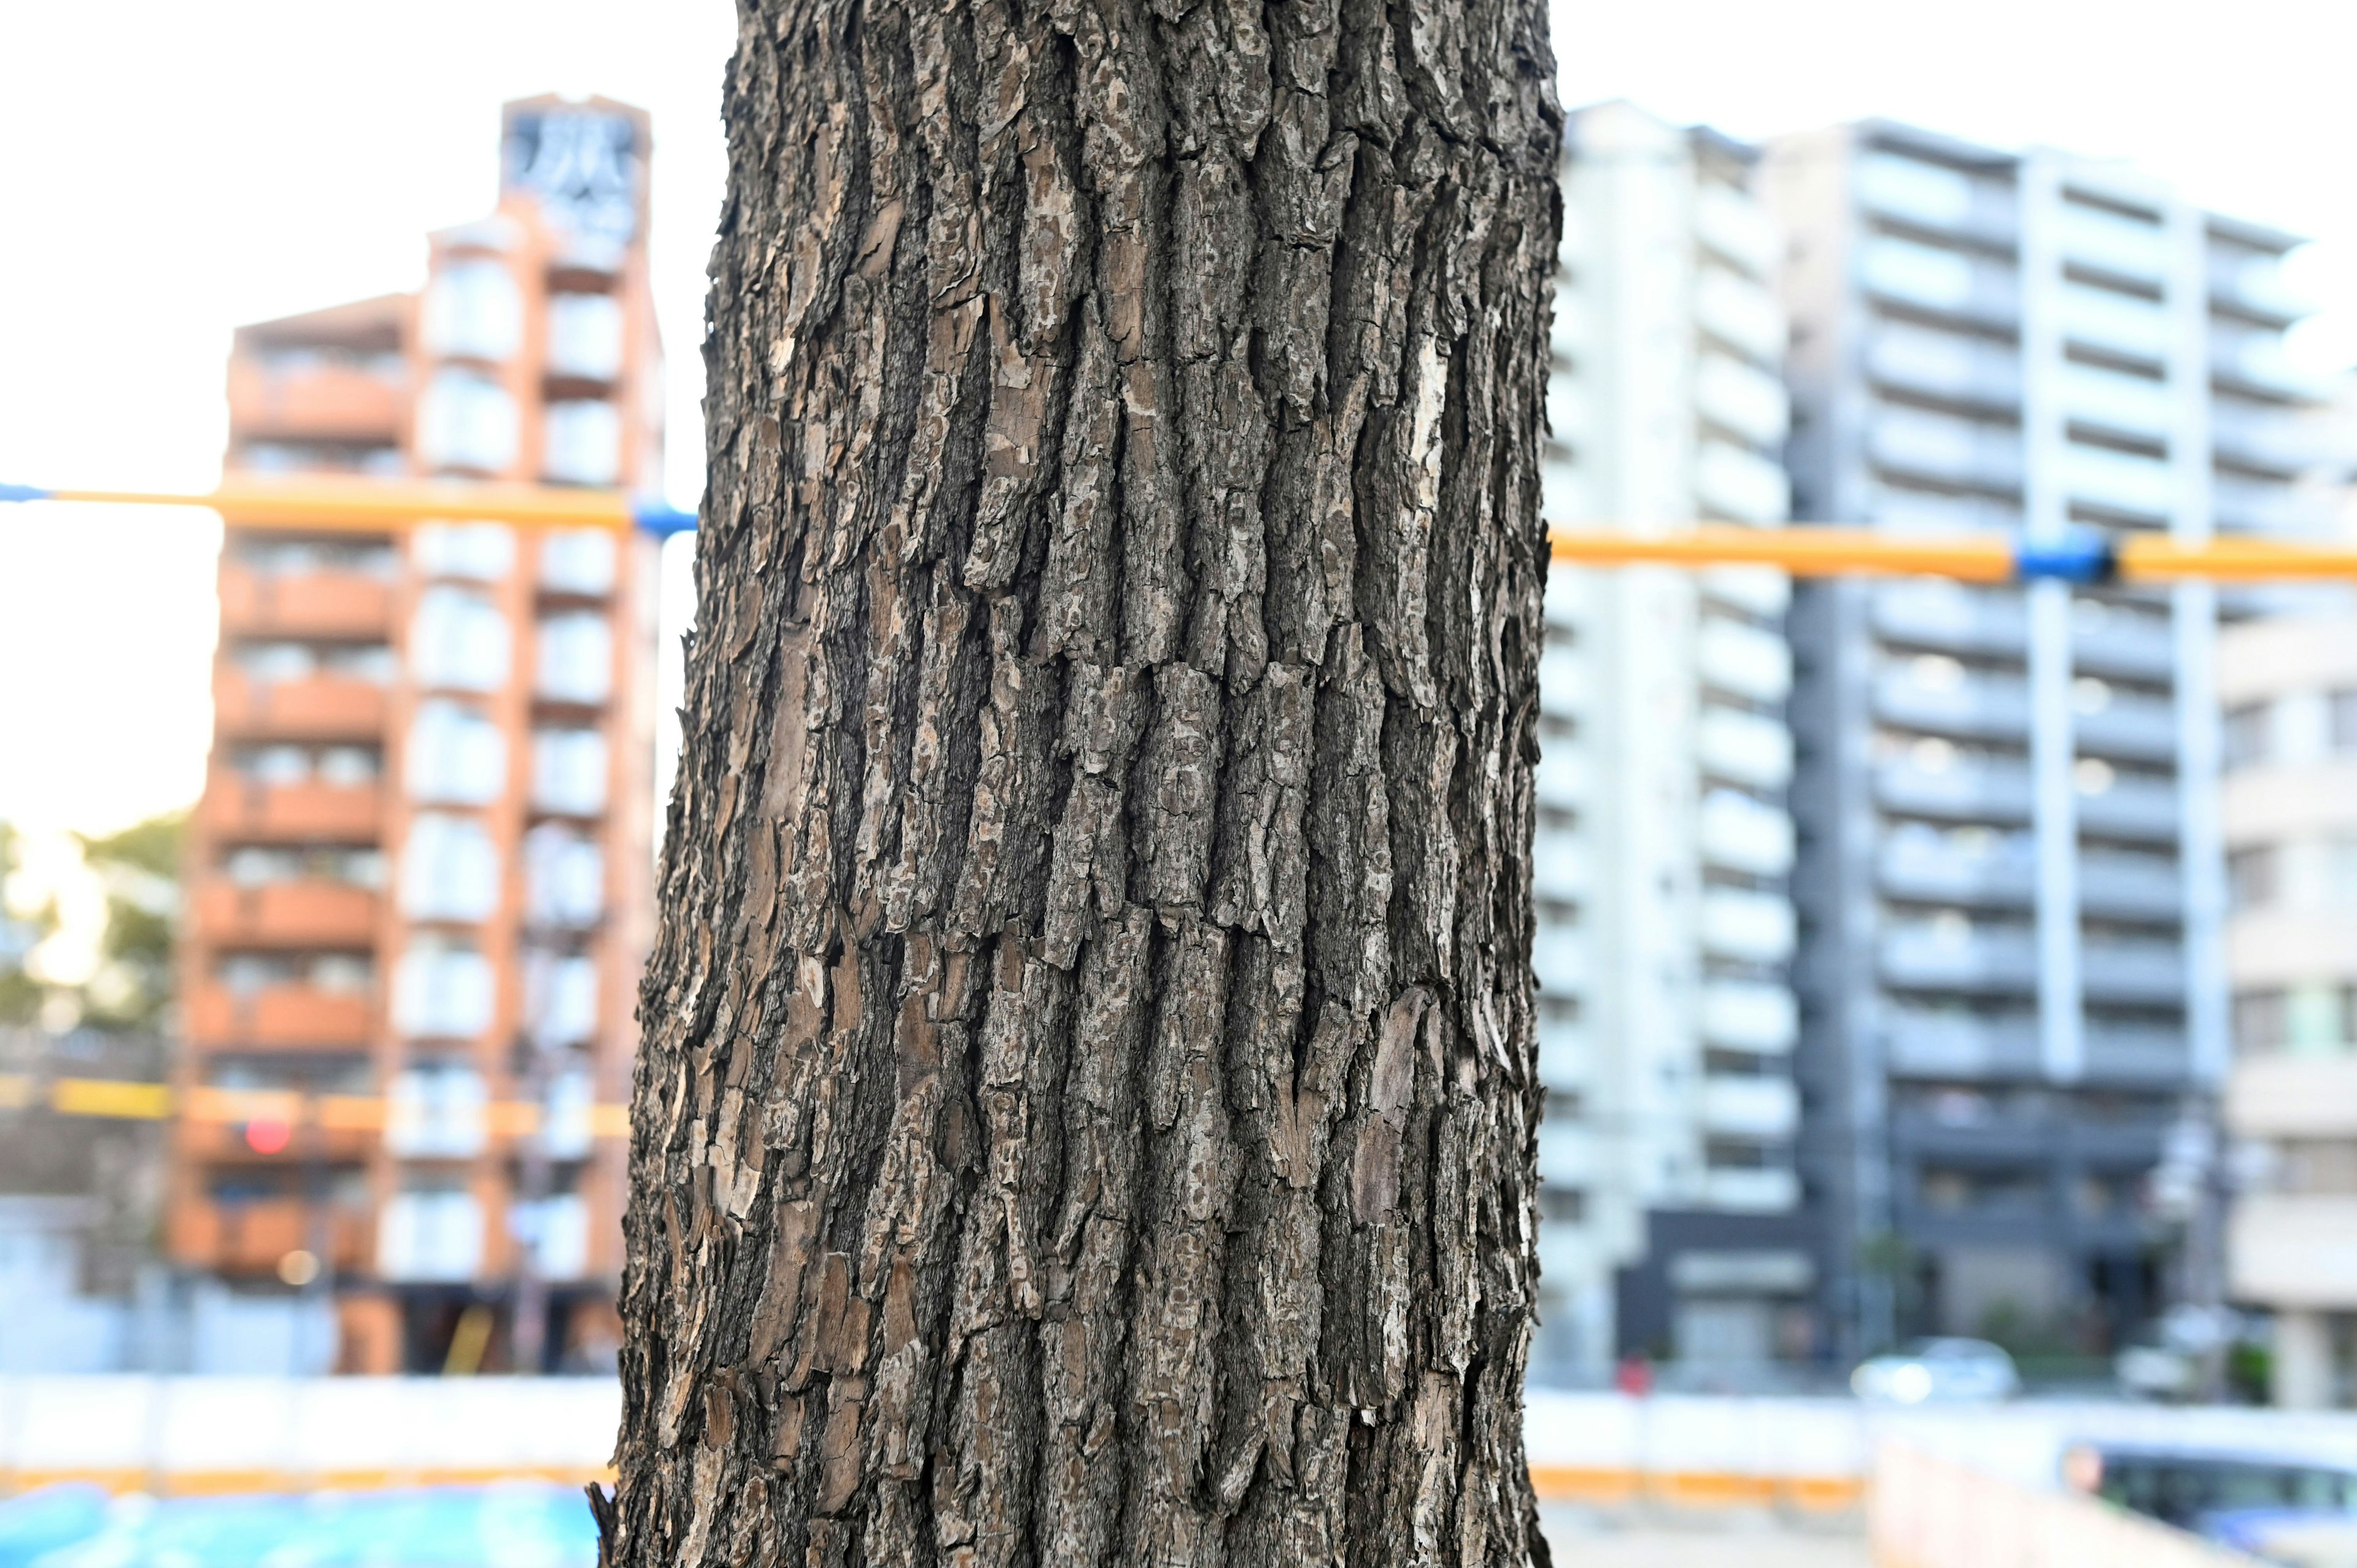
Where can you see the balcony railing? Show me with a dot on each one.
(236, 807)
(287, 1016)
(287, 914)
(304, 604)
(325, 401)
(323, 706)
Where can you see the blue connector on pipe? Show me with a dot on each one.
(2081, 556)
(23, 493)
(661, 519)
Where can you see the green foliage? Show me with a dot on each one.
(140, 867)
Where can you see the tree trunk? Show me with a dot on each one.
(1087, 1109)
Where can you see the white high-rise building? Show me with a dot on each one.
(1664, 842)
(2011, 882)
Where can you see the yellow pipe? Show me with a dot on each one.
(2156, 559)
(378, 506)
(1805, 551)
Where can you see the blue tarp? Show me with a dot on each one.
(519, 1525)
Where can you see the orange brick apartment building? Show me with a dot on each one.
(420, 876)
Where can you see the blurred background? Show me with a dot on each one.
(1948, 994)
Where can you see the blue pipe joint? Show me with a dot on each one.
(2081, 556)
(23, 493)
(661, 520)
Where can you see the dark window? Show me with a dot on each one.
(2251, 878)
(1562, 1205)
(2344, 721)
(2259, 1021)
(2246, 733)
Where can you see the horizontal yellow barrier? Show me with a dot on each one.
(130, 1100)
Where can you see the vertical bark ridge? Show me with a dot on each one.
(1087, 1109)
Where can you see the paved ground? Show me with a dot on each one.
(1579, 1544)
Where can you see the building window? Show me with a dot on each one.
(467, 421)
(2259, 1021)
(1562, 1205)
(2252, 877)
(2246, 733)
(2344, 720)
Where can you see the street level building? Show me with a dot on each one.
(2011, 879)
(1664, 843)
(419, 877)
(2289, 685)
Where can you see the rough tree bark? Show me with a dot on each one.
(1087, 1108)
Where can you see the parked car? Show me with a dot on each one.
(1938, 1372)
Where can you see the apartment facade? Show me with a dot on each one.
(1664, 844)
(2289, 686)
(2011, 880)
(419, 876)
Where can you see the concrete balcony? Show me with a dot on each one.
(2115, 402)
(319, 401)
(2261, 506)
(1952, 367)
(1562, 961)
(1928, 871)
(250, 1237)
(1757, 927)
(1741, 312)
(2123, 643)
(1747, 1016)
(2256, 365)
(2115, 481)
(293, 1017)
(1735, 227)
(240, 808)
(2287, 1096)
(1964, 284)
(2135, 1057)
(1763, 1107)
(2266, 804)
(2289, 946)
(1768, 1190)
(2113, 324)
(314, 707)
(2264, 437)
(1923, 957)
(1743, 747)
(1950, 616)
(1982, 707)
(2108, 243)
(1743, 660)
(2294, 1249)
(1968, 793)
(342, 604)
(2134, 810)
(1735, 482)
(1918, 1044)
(2253, 287)
(2130, 886)
(2138, 729)
(1569, 1156)
(1739, 833)
(310, 914)
(1566, 776)
(2149, 972)
(1566, 681)
(1739, 396)
(1562, 865)
(1945, 449)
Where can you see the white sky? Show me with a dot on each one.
(172, 169)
